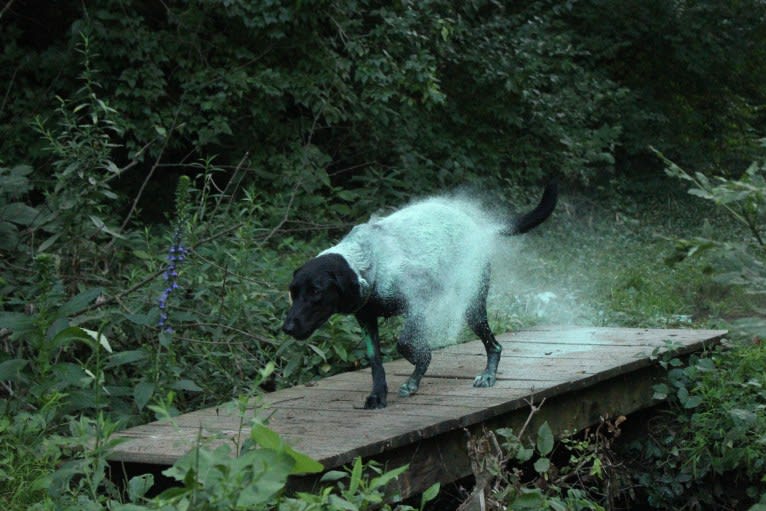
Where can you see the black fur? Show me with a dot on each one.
(327, 285)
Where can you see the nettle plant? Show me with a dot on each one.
(742, 260)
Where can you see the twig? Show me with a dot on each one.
(226, 188)
(214, 264)
(130, 165)
(532, 411)
(233, 329)
(7, 6)
(147, 179)
(286, 215)
(10, 84)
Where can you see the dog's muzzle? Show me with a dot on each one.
(296, 329)
(289, 327)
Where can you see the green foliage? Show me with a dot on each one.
(691, 68)
(426, 94)
(714, 434)
(215, 478)
(580, 474)
(716, 430)
(429, 94)
(741, 260)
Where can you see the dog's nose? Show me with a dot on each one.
(289, 327)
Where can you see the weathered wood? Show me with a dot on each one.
(583, 372)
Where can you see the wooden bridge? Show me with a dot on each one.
(583, 373)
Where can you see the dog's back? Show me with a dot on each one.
(422, 249)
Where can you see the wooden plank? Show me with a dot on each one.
(325, 419)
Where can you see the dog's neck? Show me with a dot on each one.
(359, 263)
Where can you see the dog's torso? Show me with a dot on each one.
(417, 253)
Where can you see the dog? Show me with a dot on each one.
(407, 263)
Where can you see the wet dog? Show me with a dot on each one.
(408, 263)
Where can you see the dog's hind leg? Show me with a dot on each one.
(476, 317)
(377, 398)
(413, 346)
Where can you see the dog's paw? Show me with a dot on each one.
(408, 388)
(375, 401)
(484, 380)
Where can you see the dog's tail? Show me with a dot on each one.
(532, 219)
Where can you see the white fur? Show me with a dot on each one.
(432, 252)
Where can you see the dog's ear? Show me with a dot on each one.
(349, 289)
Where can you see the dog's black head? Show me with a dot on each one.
(320, 288)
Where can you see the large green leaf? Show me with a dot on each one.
(544, 439)
(18, 213)
(270, 472)
(76, 333)
(17, 322)
(11, 369)
(80, 302)
(270, 439)
(9, 237)
(126, 357)
(142, 393)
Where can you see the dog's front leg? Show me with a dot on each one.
(377, 398)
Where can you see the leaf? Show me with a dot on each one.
(102, 227)
(142, 393)
(700, 193)
(186, 384)
(17, 322)
(71, 375)
(139, 485)
(80, 302)
(140, 319)
(318, 351)
(19, 213)
(125, 357)
(271, 470)
(72, 333)
(10, 370)
(342, 504)
(386, 477)
(270, 439)
(528, 500)
(332, 476)
(165, 339)
(544, 439)
(743, 415)
(693, 402)
(524, 454)
(9, 237)
(100, 338)
(356, 475)
(45, 245)
(542, 465)
(660, 391)
(430, 494)
(57, 326)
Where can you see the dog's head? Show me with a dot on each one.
(320, 288)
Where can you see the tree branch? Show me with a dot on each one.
(7, 6)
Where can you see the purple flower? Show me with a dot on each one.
(176, 255)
